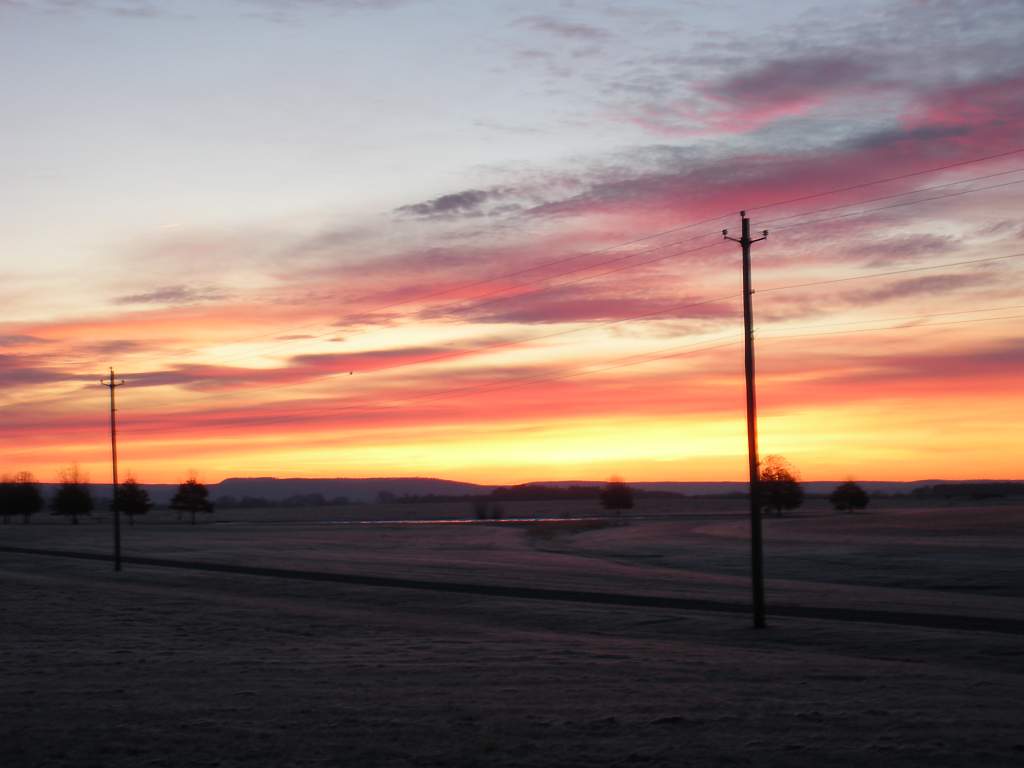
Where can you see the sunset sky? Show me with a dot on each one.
(481, 240)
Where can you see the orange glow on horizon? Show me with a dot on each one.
(575, 322)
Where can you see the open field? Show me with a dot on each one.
(158, 666)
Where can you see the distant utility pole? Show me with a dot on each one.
(756, 547)
(113, 384)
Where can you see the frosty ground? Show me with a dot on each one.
(158, 666)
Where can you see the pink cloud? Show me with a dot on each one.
(750, 100)
(996, 106)
(940, 127)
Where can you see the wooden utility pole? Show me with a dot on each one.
(113, 384)
(756, 546)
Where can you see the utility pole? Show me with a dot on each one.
(113, 384)
(756, 547)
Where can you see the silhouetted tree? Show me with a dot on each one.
(848, 497)
(7, 498)
(191, 497)
(26, 496)
(73, 498)
(617, 495)
(19, 495)
(779, 488)
(132, 499)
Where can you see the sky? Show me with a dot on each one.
(482, 240)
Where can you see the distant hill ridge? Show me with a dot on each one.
(370, 488)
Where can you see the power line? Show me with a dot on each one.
(911, 318)
(498, 294)
(897, 194)
(623, 362)
(503, 276)
(633, 360)
(488, 296)
(644, 238)
(646, 315)
(792, 286)
(901, 326)
(587, 327)
(504, 344)
(886, 180)
(574, 257)
(890, 273)
(486, 348)
(895, 205)
(642, 358)
(456, 353)
(665, 256)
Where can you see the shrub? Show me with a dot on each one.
(617, 495)
(848, 497)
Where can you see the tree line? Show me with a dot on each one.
(779, 490)
(289, 502)
(527, 492)
(970, 491)
(21, 496)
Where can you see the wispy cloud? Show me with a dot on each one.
(173, 294)
(128, 9)
(467, 203)
(927, 285)
(21, 339)
(701, 185)
(285, 11)
(637, 122)
(24, 370)
(151, 9)
(883, 252)
(573, 30)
